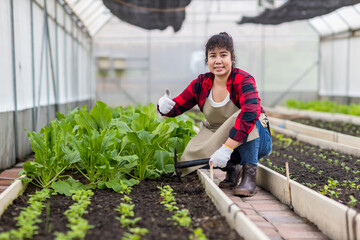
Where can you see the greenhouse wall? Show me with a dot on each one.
(340, 73)
(136, 65)
(46, 67)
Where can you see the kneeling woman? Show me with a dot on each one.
(236, 131)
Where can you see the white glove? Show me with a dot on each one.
(166, 103)
(221, 157)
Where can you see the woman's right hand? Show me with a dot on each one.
(166, 103)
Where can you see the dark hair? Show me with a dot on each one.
(221, 40)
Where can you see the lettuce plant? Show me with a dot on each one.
(112, 147)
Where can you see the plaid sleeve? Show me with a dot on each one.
(186, 100)
(250, 109)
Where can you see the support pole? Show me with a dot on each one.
(57, 55)
(65, 64)
(14, 76)
(348, 52)
(288, 182)
(33, 66)
(51, 60)
(40, 77)
(263, 62)
(149, 67)
(319, 60)
(90, 70)
(331, 92)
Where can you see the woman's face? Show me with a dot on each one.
(219, 62)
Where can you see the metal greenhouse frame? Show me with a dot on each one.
(46, 65)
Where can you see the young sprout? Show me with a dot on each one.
(353, 201)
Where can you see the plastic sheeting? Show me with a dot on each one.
(156, 60)
(45, 64)
(343, 20)
(92, 13)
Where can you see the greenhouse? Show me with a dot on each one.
(186, 119)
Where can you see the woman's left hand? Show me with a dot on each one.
(221, 156)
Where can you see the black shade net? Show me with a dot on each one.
(150, 14)
(297, 10)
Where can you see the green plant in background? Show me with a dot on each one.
(325, 106)
(198, 117)
(285, 140)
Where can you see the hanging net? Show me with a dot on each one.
(150, 14)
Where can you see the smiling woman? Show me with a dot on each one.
(236, 132)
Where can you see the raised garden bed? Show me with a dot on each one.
(330, 173)
(336, 126)
(90, 179)
(146, 198)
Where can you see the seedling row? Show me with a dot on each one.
(330, 173)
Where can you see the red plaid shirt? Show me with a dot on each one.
(243, 94)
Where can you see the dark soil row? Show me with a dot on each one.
(336, 126)
(146, 197)
(333, 174)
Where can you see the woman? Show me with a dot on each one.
(236, 131)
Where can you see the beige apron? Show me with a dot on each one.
(214, 131)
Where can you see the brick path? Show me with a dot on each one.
(274, 218)
(8, 176)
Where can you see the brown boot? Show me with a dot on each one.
(247, 186)
(233, 173)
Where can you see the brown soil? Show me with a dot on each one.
(336, 126)
(146, 197)
(314, 167)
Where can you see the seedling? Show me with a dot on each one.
(29, 217)
(310, 185)
(198, 235)
(182, 218)
(78, 225)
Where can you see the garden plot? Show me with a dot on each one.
(98, 175)
(103, 217)
(333, 174)
(336, 126)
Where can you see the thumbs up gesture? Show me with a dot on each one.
(166, 103)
